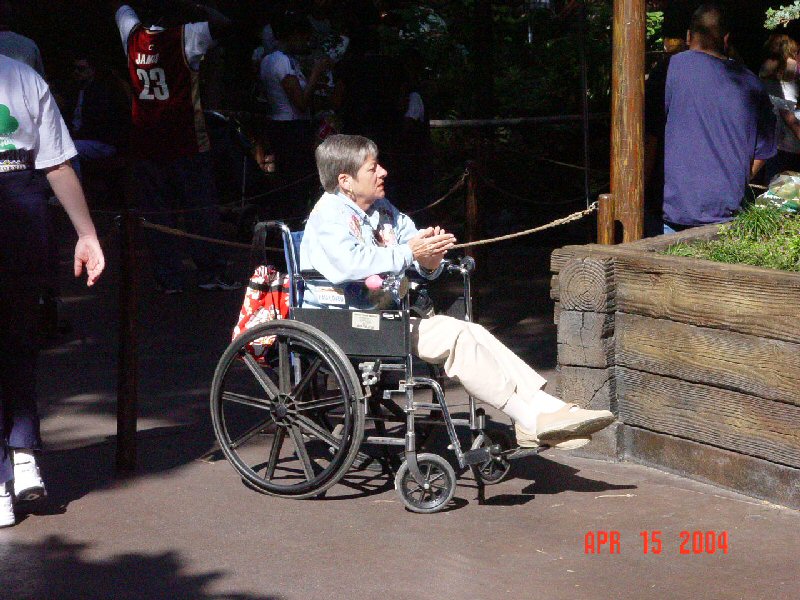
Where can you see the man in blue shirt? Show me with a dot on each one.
(720, 128)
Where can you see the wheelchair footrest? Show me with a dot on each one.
(516, 453)
(481, 455)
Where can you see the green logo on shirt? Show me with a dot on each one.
(8, 125)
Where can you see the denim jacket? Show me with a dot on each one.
(346, 244)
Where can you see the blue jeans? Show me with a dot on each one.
(674, 227)
(186, 184)
(23, 268)
(91, 150)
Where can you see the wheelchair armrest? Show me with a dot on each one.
(466, 264)
(312, 275)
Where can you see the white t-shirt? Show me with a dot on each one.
(274, 69)
(197, 38)
(30, 122)
(787, 140)
(22, 49)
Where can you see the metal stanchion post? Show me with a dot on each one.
(472, 233)
(127, 399)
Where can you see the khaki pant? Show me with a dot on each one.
(487, 369)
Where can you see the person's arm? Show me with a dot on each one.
(218, 24)
(428, 246)
(791, 122)
(766, 139)
(88, 252)
(755, 167)
(126, 19)
(790, 72)
(299, 97)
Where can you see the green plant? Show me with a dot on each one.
(654, 25)
(761, 236)
(782, 15)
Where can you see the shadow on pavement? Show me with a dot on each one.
(72, 474)
(63, 570)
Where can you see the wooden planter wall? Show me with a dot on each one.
(699, 360)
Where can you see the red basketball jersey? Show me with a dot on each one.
(167, 117)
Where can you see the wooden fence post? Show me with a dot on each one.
(627, 116)
(606, 218)
(127, 399)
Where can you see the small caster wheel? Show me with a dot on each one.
(497, 468)
(438, 487)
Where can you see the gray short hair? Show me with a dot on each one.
(342, 154)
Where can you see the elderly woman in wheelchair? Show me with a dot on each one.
(308, 390)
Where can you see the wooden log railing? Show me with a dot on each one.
(697, 359)
(587, 301)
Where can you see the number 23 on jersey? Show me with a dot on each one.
(154, 84)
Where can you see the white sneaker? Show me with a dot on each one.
(28, 484)
(7, 518)
(525, 439)
(571, 421)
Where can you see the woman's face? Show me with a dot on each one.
(367, 186)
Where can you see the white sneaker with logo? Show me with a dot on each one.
(7, 518)
(28, 484)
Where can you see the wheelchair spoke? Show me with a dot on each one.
(330, 401)
(284, 366)
(247, 400)
(274, 452)
(302, 453)
(250, 433)
(437, 478)
(312, 428)
(290, 425)
(421, 492)
(308, 376)
(260, 376)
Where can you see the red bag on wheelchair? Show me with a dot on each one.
(266, 299)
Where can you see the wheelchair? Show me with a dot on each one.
(294, 423)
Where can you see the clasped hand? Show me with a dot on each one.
(430, 245)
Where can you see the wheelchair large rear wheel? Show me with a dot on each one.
(274, 419)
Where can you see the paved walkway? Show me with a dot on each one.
(182, 527)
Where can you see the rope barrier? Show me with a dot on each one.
(571, 166)
(280, 189)
(456, 186)
(449, 123)
(202, 238)
(563, 221)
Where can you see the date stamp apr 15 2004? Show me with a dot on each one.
(654, 542)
